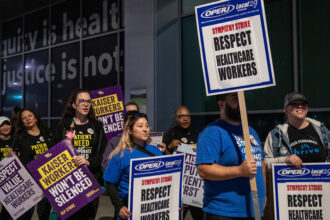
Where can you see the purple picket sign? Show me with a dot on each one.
(67, 187)
(109, 108)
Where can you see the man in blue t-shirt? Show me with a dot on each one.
(222, 164)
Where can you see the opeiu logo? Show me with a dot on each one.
(217, 11)
(288, 172)
(150, 165)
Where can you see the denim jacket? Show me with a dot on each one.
(277, 144)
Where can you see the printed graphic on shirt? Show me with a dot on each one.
(4, 151)
(39, 148)
(306, 144)
(82, 143)
(255, 147)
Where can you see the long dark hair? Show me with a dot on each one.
(21, 129)
(69, 111)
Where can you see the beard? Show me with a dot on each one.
(233, 114)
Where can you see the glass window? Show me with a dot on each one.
(101, 16)
(12, 37)
(66, 22)
(37, 76)
(12, 84)
(314, 52)
(194, 96)
(100, 62)
(36, 30)
(67, 65)
(188, 6)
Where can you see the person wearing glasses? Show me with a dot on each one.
(133, 144)
(182, 132)
(89, 140)
(32, 139)
(300, 139)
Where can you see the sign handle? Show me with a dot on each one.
(246, 133)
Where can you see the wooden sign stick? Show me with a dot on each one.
(248, 150)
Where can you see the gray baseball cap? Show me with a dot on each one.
(294, 96)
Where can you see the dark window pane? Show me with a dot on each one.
(314, 52)
(12, 84)
(66, 21)
(53, 124)
(37, 76)
(36, 30)
(67, 65)
(188, 6)
(194, 96)
(12, 37)
(100, 15)
(100, 62)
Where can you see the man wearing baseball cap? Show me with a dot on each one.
(300, 139)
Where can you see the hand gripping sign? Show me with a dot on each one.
(68, 188)
(301, 193)
(155, 187)
(235, 55)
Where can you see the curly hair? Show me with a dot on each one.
(21, 129)
(69, 111)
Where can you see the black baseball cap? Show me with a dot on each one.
(294, 96)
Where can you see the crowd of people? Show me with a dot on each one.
(220, 161)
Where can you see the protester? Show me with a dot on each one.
(112, 144)
(133, 144)
(221, 162)
(32, 139)
(6, 137)
(6, 141)
(182, 133)
(300, 139)
(89, 140)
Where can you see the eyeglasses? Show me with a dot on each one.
(183, 116)
(83, 101)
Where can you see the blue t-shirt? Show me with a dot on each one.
(223, 144)
(118, 169)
